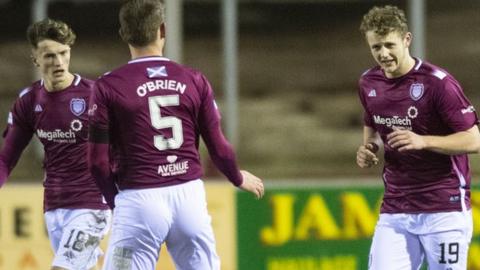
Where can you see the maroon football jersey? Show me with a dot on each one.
(155, 111)
(428, 101)
(59, 120)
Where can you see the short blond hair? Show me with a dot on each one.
(383, 20)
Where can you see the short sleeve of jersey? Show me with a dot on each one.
(98, 111)
(209, 114)
(367, 118)
(454, 108)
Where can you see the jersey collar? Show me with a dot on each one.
(148, 58)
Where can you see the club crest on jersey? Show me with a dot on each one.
(157, 72)
(416, 91)
(77, 106)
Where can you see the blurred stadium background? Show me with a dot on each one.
(298, 66)
(299, 62)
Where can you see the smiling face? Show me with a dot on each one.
(391, 52)
(53, 60)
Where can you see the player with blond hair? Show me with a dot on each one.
(427, 126)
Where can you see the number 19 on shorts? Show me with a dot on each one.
(449, 253)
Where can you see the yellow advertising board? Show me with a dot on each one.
(24, 243)
(319, 227)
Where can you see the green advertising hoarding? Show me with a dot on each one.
(317, 228)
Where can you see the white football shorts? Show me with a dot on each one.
(143, 219)
(75, 236)
(404, 241)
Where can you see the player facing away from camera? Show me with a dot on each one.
(427, 126)
(152, 112)
(55, 109)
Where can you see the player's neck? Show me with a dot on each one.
(149, 50)
(407, 65)
(59, 85)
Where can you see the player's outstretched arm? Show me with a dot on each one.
(223, 156)
(220, 150)
(252, 184)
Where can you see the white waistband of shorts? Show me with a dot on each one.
(164, 188)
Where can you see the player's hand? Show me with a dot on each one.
(366, 155)
(404, 140)
(252, 184)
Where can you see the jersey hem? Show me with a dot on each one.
(420, 211)
(80, 206)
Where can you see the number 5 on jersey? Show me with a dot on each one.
(159, 122)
